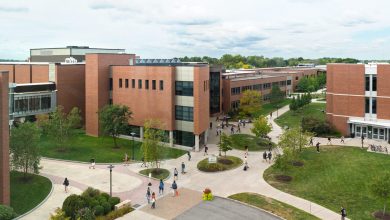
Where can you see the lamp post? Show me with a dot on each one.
(132, 145)
(111, 167)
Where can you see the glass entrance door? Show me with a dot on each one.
(361, 131)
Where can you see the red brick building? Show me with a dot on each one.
(4, 140)
(358, 99)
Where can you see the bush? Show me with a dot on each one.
(317, 126)
(72, 205)
(99, 210)
(93, 203)
(59, 215)
(116, 214)
(105, 195)
(91, 192)
(107, 207)
(85, 214)
(113, 201)
(101, 199)
(7, 213)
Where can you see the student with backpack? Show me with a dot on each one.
(161, 187)
(174, 188)
(66, 184)
(343, 213)
(270, 157)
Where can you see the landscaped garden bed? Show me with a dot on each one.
(223, 163)
(338, 176)
(157, 173)
(274, 206)
(239, 141)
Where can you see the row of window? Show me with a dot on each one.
(371, 83)
(370, 105)
(32, 103)
(184, 113)
(238, 90)
(146, 83)
(184, 88)
(236, 104)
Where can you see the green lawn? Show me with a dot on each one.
(156, 173)
(223, 163)
(83, 148)
(266, 109)
(254, 143)
(25, 195)
(274, 206)
(337, 176)
(294, 118)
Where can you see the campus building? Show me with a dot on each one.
(4, 140)
(358, 99)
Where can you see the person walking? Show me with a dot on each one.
(148, 194)
(174, 188)
(126, 160)
(318, 147)
(343, 213)
(175, 174)
(270, 115)
(265, 156)
(245, 163)
(205, 150)
(189, 155)
(231, 130)
(92, 164)
(311, 141)
(153, 203)
(161, 187)
(329, 141)
(183, 167)
(66, 184)
(243, 123)
(238, 128)
(246, 150)
(269, 157)
(362, 140)
(342, 140)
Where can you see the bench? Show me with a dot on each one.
(122, 204)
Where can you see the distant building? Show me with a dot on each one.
(358, 99)
(4, 140)
(69, 54)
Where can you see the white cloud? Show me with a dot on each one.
(174, 28)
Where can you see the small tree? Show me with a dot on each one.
(113, 120)
(153, 145)
(294, 139)
(250, 102)
(293, 105)
(276, 94)
(261, 127)
(24, 147)
(225, 144)
(60, 126)
(381, 188)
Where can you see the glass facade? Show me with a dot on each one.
(24, 104)
(236, 90)
(184, 88)
(215, 87)
(367, 83)
(184, 113)
(184, 138)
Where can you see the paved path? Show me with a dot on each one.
(224, 209)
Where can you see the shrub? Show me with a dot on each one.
(93, 203)
(101, 199)
(72, 205)
(105, 195)
(107, 207)
(116, 214)
(99, 210)
(85, 214)
(113, 201)
(7, 213)
(59, 215)
(91, 192)
(317, 126)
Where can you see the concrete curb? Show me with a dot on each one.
(246, 204)
(41, 203)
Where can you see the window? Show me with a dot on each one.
(146, 84)
(373, 83)
(127, 83)
(244, 88)
(184, 88)
(235, 104)
(161, 85)
(110, 84)
(154, 84)
(140, 84)
(373, 108)
(257, 87)
(367, 105)
(296, 78)
(133, 83)
(288, 82)
(120, 83)
(236, 90)
(266, 85)
(282, 83)
(184, 113)
(367, 83)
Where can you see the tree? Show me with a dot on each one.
(293, 105)
(225, 143)
(276, 94)
(24, 147)
(261, 127)
(113, 120)
(250, 102)
(60, 126)
(381, 188)
(153, 142)
(294, 139)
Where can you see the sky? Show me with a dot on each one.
(176, 28)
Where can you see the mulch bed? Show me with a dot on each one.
(283, 178)
(297, 163)
(225, 161)
(157, 171)
(379, 215)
